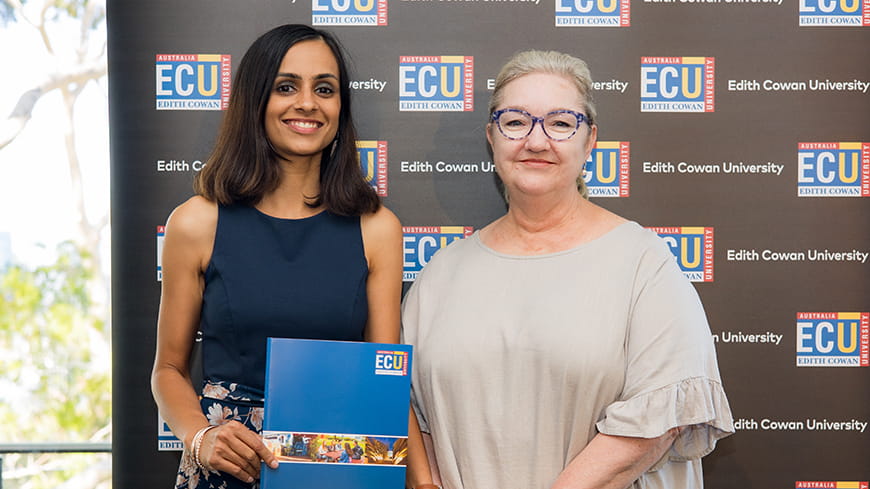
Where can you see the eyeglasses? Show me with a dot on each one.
(558, 125)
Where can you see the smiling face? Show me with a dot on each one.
(538, 165)
(302, 113)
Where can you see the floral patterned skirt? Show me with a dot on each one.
(222, 402)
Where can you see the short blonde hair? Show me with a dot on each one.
(552, 62)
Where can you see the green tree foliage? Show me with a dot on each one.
(55, 365)
(55, 388)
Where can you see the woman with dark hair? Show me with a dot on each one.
(345, 454)
(283, 239)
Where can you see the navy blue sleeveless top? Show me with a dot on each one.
(290, 278)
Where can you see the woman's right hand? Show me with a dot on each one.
(236, 450)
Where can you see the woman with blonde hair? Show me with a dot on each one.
(560, 346)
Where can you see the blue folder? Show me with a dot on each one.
(336, 414)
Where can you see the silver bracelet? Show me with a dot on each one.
(197, 444)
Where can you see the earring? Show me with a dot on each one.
(334, 144)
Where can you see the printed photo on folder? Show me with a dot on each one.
(336, 414)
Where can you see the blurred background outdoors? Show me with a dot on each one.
(55, 364)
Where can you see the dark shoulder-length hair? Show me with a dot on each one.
(243, 165)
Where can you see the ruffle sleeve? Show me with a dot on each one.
(698, 404)
(671, 374)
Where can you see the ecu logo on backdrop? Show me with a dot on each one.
(373, 161)
(677, 84)
(607, 169)
(436, 83)
(193, 81)
(349, 12)
(161, 231)
(833, 170)
(832, 485)
(833, 339)
(420, 243)
(166, 440)
(593, 13)
(836, 13)
(693, 249)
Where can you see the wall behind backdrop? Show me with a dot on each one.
(738, 130)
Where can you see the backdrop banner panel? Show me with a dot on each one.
(737, 130)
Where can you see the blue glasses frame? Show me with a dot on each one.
(581, 118)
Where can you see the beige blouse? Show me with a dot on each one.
(520, 360)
